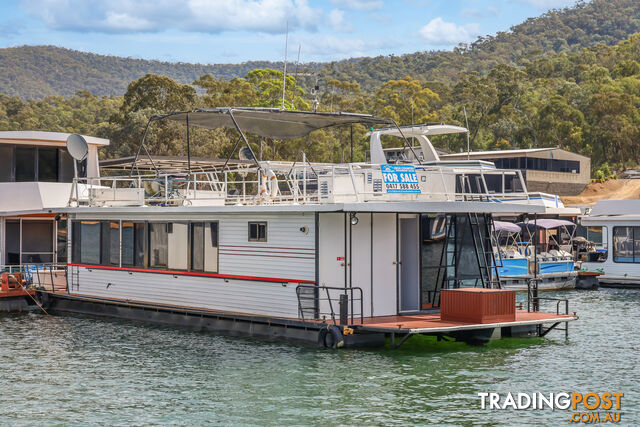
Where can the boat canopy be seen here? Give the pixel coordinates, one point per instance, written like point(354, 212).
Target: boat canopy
point(506, 226)
point(546, 224)
point(419, 132)
point(268, 122)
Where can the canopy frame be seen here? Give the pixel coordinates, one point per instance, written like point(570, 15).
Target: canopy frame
point(302, 123)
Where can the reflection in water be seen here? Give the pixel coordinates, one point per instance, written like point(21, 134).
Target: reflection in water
point(88, 370)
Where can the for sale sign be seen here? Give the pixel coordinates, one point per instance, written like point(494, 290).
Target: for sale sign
point(400, 178)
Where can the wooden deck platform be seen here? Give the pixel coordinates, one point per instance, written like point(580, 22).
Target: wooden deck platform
point(432, 323)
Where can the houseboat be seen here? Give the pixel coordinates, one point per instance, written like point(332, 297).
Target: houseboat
point(609, 231)
point(36, 176)
point(324, 253)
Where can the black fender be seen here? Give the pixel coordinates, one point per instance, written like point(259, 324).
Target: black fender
point(43, 299)
point(330, 337)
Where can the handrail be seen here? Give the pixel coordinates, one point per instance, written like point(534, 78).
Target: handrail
point(316, 299)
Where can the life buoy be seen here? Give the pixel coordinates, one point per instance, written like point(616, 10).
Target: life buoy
point(331, 337)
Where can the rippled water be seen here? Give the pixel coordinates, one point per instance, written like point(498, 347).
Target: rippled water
point(84, 370)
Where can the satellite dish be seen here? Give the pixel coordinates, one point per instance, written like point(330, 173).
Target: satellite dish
point(245, 153)
point(77, 147)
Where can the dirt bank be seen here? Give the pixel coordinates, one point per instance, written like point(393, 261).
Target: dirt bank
point(617, 189)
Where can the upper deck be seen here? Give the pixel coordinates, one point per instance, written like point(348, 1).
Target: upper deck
point(261, 183)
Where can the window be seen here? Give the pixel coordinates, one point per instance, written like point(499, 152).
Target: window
point(204, 246)
point(128, 243)
point(158, 244)
point(47, 164)
point(626, 244)
point(257, 231)
point(197, 246)
point(6, 163)
point(37, 241)
point(61, 241)
point(114, 243)
point(25, 164)
point(178, 246)
point(12, 242)
point(90, 241)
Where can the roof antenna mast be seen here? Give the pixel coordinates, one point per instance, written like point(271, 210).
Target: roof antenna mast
point(467, 123)
point(284, 78)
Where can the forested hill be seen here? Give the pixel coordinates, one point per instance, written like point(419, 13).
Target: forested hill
point(566, 30)
point(39, 71)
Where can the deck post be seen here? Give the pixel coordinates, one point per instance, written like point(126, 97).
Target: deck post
point(344, 309)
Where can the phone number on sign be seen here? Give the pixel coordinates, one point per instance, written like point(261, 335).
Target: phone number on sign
point(402, 186)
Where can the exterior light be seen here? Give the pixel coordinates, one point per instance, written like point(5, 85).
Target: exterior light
point(354, 218)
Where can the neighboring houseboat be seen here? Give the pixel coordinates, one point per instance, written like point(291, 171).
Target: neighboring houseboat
point(540, 249)
point(36, 175)
point(612, 232)
point(328, 253)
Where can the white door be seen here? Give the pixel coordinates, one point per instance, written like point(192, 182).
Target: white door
point(384, 269)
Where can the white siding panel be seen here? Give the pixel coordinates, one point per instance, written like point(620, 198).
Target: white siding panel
point(288, 252)
point(261, 298)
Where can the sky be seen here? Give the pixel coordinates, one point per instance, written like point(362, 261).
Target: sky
point(234, 31)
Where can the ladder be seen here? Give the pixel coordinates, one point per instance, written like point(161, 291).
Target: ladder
point(483, 244)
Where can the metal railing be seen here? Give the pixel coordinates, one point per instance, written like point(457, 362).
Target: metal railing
point(314, 298)
point(48, 276)
point(277, 183)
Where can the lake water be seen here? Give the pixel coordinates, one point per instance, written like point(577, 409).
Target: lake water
point(85, 370)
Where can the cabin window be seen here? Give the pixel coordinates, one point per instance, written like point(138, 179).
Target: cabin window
point(47, 164)
point(37, 241)
point(114, 243)
point(12, 242)
point(25, 164)
point(626, 244)
point(204, 246)
point(178, 243)
point(6, 163)
point(90, 241)
point(257, 231)
point(158, 244)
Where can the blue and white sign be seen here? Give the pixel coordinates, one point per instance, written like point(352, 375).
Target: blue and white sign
point(400, 178)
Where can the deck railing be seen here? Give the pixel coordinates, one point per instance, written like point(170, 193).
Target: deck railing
point(320, 303)
point(277, 183)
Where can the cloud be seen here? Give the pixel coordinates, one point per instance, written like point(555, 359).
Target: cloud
point(208, 16)
point(471, 13)
point(363, 5)
point(440, 32)
point(335, 19)
point(340, 47)
point(549, 4)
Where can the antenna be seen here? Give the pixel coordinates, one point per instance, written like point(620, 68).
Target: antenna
point(284, 78)
point(467, 123)
point(78, 149)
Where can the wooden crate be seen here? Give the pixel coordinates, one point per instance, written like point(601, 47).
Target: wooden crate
point(478, 305)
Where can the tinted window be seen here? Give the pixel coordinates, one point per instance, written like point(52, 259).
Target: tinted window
point(12, 244)
point(66, 166)
point(90, 240)
point(128, 243)
point(25, 164)
point(140, 244)
point(6, 163)
point(257, 231)
point(114, 243)
point(197, 246)
point(48, 164)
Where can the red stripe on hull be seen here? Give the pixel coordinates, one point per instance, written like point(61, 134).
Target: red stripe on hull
point(195, 273)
